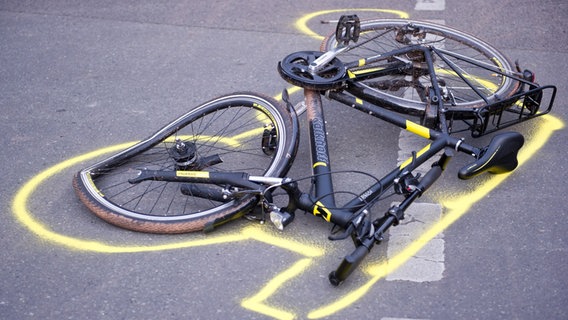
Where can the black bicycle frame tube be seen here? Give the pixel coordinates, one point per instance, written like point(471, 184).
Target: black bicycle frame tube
point(324, 202)
point(373, 193)
point(398, 67)
point(321, 167)
point(440, 141)
point(391, 117)
point(383, 56)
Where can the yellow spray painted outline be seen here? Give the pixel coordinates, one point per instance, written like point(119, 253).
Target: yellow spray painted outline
point(456, 207)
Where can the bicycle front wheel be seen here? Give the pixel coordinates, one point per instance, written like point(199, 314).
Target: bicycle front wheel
point(464, 65)
point(241, 132)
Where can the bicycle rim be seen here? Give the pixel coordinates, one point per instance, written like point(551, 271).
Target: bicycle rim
point(409, 90)
point(242, 132)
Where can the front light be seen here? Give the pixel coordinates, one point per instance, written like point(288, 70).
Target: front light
point(280, 219)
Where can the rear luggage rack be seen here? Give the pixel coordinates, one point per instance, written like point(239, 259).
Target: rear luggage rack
point(522, 106)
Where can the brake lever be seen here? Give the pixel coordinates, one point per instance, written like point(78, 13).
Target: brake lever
point(359, 229)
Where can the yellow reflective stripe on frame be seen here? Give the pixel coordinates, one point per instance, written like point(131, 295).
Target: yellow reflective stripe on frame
point(418, 154)
point(350, 74)
point(317, 164)
point(193, 174)
point(418, 129)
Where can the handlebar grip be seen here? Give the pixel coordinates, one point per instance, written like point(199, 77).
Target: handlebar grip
point(350, 263)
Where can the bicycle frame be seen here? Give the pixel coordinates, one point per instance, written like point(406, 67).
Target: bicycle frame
point(323, 202)
point(353, 217)
point(498, 157)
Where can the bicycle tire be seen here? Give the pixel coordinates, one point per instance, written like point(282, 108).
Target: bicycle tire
point(379, 36)
point(231, 126)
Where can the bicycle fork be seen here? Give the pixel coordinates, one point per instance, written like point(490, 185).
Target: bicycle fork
point(413, 189)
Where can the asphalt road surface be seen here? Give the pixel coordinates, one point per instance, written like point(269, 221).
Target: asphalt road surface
point(80, 77)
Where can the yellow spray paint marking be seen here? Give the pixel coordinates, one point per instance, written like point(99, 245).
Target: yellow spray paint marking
point(489, 85)
point(290, 90)
point(302, 23)
point(277, 241)
point(246, 134)
point(256, 302)
point(456, 207)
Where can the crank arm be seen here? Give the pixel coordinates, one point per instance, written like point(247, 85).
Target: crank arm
point(324, 59)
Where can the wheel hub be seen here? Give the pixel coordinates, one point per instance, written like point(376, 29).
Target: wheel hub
point(184, 154)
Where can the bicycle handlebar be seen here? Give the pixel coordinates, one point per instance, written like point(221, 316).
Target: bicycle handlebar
point(351, 262)
point(430, 177)
point(499, 156)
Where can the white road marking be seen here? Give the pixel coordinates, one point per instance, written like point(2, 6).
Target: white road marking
point(433, 5)
point(428, 264)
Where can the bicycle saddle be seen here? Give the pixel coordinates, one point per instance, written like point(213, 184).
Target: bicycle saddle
point(500, 156)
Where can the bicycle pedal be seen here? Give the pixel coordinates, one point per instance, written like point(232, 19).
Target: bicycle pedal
point(348, 29)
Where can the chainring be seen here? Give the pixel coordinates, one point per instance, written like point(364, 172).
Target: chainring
point(295, 69)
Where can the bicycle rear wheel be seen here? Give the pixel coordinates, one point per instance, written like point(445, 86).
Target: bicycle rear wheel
point(241, 132)
point(407, 91)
